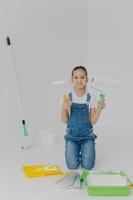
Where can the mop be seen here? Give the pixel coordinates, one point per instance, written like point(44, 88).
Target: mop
point(12, 60)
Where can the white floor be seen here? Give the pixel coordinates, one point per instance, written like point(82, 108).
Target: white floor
point(114, 152)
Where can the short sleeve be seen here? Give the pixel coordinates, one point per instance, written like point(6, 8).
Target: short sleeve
point(93, 102)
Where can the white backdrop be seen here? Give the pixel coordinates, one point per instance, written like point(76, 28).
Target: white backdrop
point(48, 39)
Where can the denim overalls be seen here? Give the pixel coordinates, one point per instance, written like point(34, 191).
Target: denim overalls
point(80, 140)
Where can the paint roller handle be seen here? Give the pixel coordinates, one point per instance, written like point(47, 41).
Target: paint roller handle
point(101, 103)
point(65, 98)
point(66, 104)
point(102, 97)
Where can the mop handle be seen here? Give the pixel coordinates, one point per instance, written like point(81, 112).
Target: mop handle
point(17, 91)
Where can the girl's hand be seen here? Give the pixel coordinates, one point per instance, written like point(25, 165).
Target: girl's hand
point(101, 105)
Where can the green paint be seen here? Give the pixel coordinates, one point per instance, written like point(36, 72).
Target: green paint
point(97, 190)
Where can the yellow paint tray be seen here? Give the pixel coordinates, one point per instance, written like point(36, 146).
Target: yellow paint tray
point(32, 171)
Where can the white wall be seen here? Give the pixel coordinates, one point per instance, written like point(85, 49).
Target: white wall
point(110, 57)
point(48, 39)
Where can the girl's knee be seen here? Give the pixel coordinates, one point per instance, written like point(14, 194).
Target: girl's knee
point(72, 155)
point(72, 165)
point(88, 164)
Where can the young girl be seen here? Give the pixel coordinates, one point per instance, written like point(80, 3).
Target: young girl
point(80, 111)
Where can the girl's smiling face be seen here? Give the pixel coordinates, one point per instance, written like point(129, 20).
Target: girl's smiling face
point(79, 79)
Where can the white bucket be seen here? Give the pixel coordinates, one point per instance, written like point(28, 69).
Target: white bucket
point(47, 137)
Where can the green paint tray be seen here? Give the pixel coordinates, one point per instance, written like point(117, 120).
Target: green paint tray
point(106, 183)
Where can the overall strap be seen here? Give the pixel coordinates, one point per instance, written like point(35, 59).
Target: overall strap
point(88, 100)
point(70, 97)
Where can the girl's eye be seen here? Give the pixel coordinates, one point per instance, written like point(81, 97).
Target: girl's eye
point(82, 77)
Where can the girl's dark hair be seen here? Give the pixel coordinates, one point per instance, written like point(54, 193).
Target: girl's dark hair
point(80, 67)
